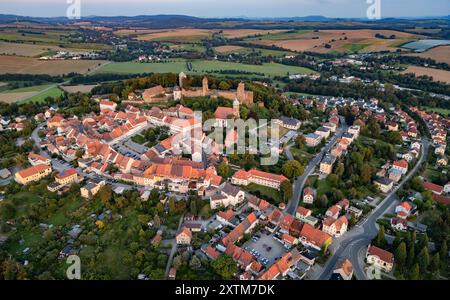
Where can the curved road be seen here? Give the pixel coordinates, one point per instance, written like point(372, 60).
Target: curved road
point(300, 181)
point(354, 243)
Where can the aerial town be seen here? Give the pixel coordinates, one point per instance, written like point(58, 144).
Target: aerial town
point(156, 156)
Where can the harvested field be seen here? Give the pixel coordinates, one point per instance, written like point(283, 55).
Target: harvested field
point(439, 54)
point(239, 33)
point(228, 49)
point(14, 97)
point(178, 35)
point(78, 88)
point(340, 40)
point(438, 75)
point(28, 65)
point(21, 49)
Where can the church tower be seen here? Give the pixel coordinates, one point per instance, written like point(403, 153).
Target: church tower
point(181, 77)
point(205, 88)
point(236, 106)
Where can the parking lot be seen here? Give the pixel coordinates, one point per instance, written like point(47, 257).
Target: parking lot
point(266, 248)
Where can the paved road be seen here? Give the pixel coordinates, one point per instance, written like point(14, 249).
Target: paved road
point(300, 181)
point(355, 242)
point(174, 249)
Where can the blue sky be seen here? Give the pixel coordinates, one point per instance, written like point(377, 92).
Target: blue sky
point(228, 8)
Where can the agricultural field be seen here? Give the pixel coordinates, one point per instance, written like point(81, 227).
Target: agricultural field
point(245, 50)
point(82, 88)
point(52, 92)
point(440, 54)
point(11, 96)
point(240, 33)
point(438, 75)
point(201, 66)
point(339, 40)
point(176, 35)
point(28, 65)
point(45, 37)
point(190, 34)
point(29, 50)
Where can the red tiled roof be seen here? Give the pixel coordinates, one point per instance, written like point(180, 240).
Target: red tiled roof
point(380, 253)
point(315, 236)
point(303, 211)
point(433, 187)
point(223, 112)
point(33, 170)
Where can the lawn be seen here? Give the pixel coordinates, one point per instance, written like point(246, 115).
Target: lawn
point(139, 139)
point(431, 174)
point(53, 92)
point(272, 195)
point(201, 66)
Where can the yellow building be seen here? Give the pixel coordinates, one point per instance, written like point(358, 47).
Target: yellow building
point(67, 177)
point(91, 189)
point(35, 173)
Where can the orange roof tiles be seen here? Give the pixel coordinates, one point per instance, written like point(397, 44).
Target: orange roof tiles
point(381, 254)
point(33, 170)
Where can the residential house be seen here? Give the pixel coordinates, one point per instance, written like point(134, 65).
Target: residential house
point(401, 165)
point(326, 166)
point(384, 184)
point(344, 270)
point(312, 139)
point(404, 209)
point(315, 238)
point(36, 159)
point(184, 236)
point(228, 196)
point(308, 195)
point(91, 188)
point(380, 258)
point(304, 215)
point(333, 212)
point(335, 227)
point(435, 188)
point(67, 177)
point(289, 123)
point(399, 224)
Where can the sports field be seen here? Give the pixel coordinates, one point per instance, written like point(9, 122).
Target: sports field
point(201, 66)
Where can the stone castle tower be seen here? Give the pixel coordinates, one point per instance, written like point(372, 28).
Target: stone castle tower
point(241, 92)
point(205, 88)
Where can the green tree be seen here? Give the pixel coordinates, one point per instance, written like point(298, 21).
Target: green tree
point(177, 262)
point(286, 190)
point(225, 267)
point(105, 194)
point(423, 260)
point(292, 168)
point(224, 86)
point(195, 263)
point(223, 169)
point(193, 207)
point(300, 141)
point(400, 254)
point(380, 240)
point(435, 263)
point(411, 256)
point(414, 274)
